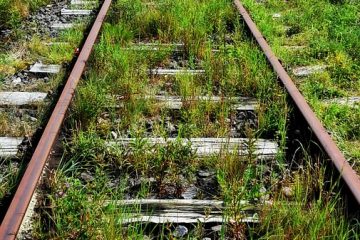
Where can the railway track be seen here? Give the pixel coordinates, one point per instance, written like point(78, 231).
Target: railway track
point(176, 131)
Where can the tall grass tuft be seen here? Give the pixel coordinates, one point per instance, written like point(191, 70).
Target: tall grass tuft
point(12, 12)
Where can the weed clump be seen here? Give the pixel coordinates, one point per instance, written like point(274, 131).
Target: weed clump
point(12, 12)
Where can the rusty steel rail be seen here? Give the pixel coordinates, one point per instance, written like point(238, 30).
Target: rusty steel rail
point(16, 212)
point(347, 173)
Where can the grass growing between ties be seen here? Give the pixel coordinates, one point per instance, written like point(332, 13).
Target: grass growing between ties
point(117, 100)
point(306, 210)
point(17, 54)
point(23, 122)
point(8, 177)
point(59, 50)
point(24, 47)
point(302, 208)
point(83, 198)
point(319, 33)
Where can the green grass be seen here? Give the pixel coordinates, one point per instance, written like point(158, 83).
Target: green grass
point(107, 105)
point(63, 48)
point(16, 57)
point(310, 215)
point(330, 38)
point(8, 177)
point(24, 53)
point(21, 53)
point(12, 12)
point(8, 65)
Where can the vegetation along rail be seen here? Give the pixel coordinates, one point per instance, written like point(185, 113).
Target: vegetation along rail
point(177, 121)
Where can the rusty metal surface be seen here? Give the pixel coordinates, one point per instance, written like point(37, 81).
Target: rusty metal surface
point(347, 173)
point(16, 212)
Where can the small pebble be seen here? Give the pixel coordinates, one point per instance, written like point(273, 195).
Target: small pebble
point(190, 192)
point(114, 135)
point(87, 177)
point(287, 191)
point(205, 174)
point(264, 196)
point(216, 228)
point(171, 127)
point(276, 15)
point(17, 80)
point(180, 231)
point(33, 119)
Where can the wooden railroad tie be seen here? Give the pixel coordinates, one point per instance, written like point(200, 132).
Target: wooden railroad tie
point(77, 12)
point(46, 69)
point(177, 102)
point(21, 99)
point(62, 26)
point(350, 101)
point(160, 211)
point(82, 2)
point(9, 146)
point(262, 149)
point(165, 71)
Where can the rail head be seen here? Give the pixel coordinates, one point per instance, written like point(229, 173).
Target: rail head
point(346, 171)
point(18, 207)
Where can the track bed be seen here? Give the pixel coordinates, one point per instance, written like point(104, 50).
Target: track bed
point(179, 129)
